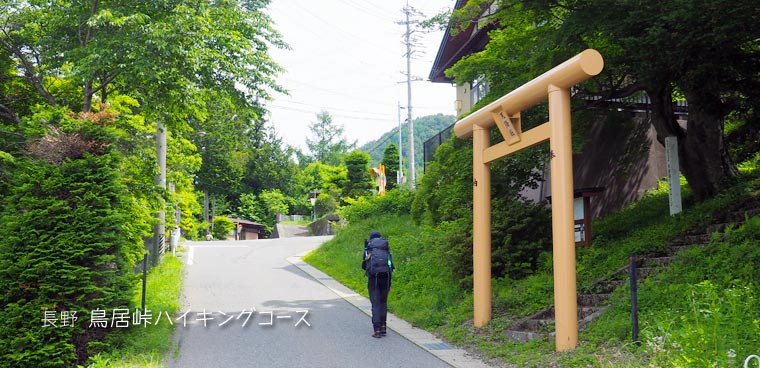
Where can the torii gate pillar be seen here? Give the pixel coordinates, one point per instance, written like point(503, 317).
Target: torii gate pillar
point(553, 85)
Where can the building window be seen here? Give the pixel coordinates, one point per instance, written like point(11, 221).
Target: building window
point(478, 89)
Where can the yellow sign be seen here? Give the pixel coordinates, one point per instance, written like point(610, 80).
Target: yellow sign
point(509, 126)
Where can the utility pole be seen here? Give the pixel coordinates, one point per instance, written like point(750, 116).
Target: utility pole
point(160, 228)
point(400, 172)
point(408, 11)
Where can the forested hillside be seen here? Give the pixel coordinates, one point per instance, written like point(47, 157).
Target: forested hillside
point(425, 127)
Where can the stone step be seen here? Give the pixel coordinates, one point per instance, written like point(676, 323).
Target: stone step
point(534, 325)
point(720, 228)
point(540, 325)
point(523, 336)
point(644, 272)
point(548, 313)
point(741, 215)
point(690, 239)
point(591, 317)
point(593, 300)
point(657, 261)
point(607, 287)
point(674, 249)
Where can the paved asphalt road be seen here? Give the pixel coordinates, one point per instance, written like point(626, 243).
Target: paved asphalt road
point(225, 281)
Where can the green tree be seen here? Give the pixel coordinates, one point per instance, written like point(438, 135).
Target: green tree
point(249, 208)
point(359, 179)
point(327, 143)
point(325, 204)
point(223, 156)
point(66, 245)
point(390, 160)
point(325, 178)
point(263, 208)
point(520, 229)
point(273, 202)
point(222, 227)
point(190, 66)
point(663, 49)
point(271, 166)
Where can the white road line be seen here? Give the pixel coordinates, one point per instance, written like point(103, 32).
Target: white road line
point(220, 246)
point(190, 253)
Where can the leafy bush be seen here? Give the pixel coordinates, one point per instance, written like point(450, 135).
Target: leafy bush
point(64, 251)
point(521, 233)
point(222, 227)
point(325, 204)
point(521, 229)
point(445, 191)
point(395, 201)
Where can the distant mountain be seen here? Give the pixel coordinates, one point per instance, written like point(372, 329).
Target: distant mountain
point(425, 127)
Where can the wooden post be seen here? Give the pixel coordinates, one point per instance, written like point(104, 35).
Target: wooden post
point(481, 232)
point(563, 220)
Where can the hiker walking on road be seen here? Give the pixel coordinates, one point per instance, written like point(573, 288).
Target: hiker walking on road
point(378, 266)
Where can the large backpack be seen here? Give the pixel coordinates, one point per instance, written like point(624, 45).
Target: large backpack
point(379, 257)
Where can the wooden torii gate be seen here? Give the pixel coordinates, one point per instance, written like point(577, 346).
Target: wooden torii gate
point(553, 85)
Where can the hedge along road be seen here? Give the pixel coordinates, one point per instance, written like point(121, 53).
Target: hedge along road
point(260, 310)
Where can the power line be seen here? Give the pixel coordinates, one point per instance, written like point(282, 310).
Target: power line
point(353, 96)
point(332, 25)
point(366, 10)
point(336, 108)
point(289, 108)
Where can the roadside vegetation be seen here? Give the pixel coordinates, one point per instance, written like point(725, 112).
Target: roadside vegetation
point(148, 346)
point(82, 178)
point(700, 311)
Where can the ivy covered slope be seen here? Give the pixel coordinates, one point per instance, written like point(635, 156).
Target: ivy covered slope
point(66, 249)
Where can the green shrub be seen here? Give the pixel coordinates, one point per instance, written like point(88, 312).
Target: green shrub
point(521, 232)
point(222, 227)
point(199, 231)
point(63, 250)
point(394, 202)
point(325, 204)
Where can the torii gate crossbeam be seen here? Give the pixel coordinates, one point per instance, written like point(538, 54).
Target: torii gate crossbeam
point(553, 85)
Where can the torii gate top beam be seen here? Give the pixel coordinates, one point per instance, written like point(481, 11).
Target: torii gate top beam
point(573, 71)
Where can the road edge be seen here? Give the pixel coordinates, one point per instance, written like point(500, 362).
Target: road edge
point(448, 353)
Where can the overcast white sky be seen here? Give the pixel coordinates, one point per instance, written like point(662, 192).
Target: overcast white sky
point(347, 57)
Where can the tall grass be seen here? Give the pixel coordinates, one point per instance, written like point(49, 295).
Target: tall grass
point(147, 347)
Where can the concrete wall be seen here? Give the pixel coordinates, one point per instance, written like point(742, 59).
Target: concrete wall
point(623, 155)
point(463, 99)
point(324, 226)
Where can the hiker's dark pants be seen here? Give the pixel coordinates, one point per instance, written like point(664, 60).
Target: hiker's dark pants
point(378, 287)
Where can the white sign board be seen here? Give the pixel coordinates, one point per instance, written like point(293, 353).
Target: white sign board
point(674, 174)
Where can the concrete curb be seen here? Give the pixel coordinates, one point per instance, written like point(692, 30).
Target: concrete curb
point(446, 352)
